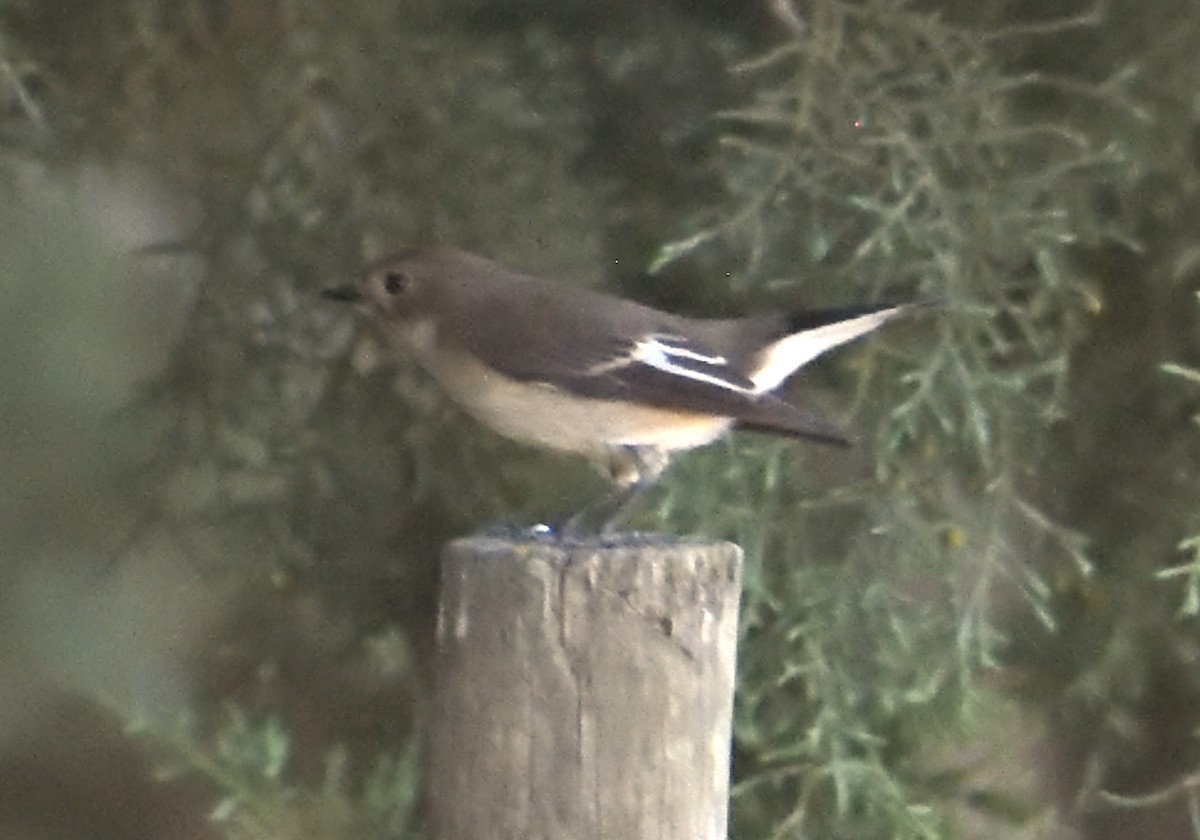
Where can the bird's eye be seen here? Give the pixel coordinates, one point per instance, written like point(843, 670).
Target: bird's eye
point(395, 282)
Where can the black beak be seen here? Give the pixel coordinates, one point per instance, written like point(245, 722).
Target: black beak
point(348, 293)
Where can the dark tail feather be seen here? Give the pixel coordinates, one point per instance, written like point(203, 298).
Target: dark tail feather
point(777, 417)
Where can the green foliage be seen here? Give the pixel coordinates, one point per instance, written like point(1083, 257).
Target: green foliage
point(890, 152)
point(247, 764)
point(1189, 547)
point(887, 154)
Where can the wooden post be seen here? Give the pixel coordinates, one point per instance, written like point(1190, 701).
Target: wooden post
point(585, 690)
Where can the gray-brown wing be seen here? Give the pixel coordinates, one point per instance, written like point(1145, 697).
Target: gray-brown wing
point(602, 347)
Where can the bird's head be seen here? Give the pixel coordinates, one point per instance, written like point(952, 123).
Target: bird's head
point(396, 288)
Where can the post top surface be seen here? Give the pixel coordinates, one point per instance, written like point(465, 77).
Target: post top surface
point(539, 539)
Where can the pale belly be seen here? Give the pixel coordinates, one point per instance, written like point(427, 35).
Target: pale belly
point(543, 415)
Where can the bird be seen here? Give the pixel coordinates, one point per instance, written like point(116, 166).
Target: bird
point(581, 371)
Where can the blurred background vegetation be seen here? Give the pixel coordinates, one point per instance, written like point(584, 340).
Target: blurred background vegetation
point(221, 510)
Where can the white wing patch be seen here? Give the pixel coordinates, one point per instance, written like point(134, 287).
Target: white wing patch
point(674, 355)
point(681, 360)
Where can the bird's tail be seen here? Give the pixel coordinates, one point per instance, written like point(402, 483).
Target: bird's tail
point(775, 416)
point(813, 333)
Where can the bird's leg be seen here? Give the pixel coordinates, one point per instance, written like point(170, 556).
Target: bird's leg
point(622, 503)
point(576, 525)
point(633, 470)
